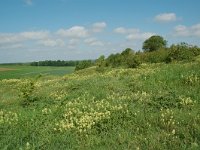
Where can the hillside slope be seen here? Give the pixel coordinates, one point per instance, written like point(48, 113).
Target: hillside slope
point(155, 106)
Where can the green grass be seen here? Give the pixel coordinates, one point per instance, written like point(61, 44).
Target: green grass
point(30, 71)
point(153, 107)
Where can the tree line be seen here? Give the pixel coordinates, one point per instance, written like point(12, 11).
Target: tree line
point(56, 63)
point(155, 50)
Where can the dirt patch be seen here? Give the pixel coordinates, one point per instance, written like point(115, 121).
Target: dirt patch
point(6, 69)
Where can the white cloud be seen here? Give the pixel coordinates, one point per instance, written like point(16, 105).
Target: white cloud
point(93, 42)
point(122, 30)
point(9, 38)
point(34, 35)
point(52, 42)
point(28, 2)
point(74, 32)
point(133, 34)
point(165, 17)
point(139, 35)
point(11, 46)
point(74, 41)
point(184, 31)
point(23, 36)
point(98, 26)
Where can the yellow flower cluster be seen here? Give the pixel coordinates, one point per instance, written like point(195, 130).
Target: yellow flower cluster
point(46, 111)
point(135, 73)
point(186, 101)
point(8, 117)
point(167, 120)
point(142, 96)
point(10, 81)
point(58, 95)
point(191, 79)
point(81, 116)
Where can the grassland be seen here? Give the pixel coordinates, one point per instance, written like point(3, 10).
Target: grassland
point(21, 71)
point(155, 106)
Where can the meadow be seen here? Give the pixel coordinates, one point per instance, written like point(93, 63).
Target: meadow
point(21, 71)
point(154, 106)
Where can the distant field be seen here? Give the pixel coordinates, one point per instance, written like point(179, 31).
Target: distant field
point(17, 71)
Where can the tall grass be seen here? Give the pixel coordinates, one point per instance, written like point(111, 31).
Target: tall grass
point(152, 107)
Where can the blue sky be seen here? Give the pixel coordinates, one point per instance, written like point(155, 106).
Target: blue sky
point(32, 30)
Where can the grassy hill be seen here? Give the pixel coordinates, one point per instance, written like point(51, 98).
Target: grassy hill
point(155, 106)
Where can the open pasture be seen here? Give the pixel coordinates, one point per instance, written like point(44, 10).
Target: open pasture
point(23, 71)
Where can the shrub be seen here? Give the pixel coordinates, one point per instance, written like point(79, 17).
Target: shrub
point(83, 64)
point(114, 60)
point(26, 89)
point(155, 56)
point(181, 52)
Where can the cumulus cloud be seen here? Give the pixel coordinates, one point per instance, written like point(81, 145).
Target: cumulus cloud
point(73, 41)
point(93, 42)
point(74, 32)
point(133, 34)
point(34, 35)
point(98, 26)
point(9, 38)
point(139, 35)
point(23, 36)
point(165, 17)
point(122, 30)
point(184, 31)
point(51, 42)
point(11, 46)
point(28, 2)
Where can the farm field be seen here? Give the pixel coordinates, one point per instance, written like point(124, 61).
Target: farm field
point(155, 106)
point(21, 71)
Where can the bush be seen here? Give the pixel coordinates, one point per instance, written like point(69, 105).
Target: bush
point(83, 64)
point(181, 52)
point(155, 56)
point(114, 60)
point(26, 89)
point(127, 59)
point(132, 62)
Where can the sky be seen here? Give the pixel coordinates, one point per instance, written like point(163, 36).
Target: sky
point(33, 30)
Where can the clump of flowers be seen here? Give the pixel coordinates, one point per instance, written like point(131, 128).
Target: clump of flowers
point(10, 81)
point(58, 95)
point(191, 79)
point(46, 111)
point(8, 117)
point(82, 116)
point(186, 101)
point(167, 120)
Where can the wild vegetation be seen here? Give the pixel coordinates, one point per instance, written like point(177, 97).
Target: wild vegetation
point(155, 106)
point(107, 106)
point(155, 50)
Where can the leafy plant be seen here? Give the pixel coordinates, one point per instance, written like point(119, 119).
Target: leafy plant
point(26, 92)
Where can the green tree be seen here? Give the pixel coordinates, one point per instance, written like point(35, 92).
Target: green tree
point(154, 43)
point(182, 52)
point(129, 58)
point(100, 62)
point(83, 64)
point(114, 60)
